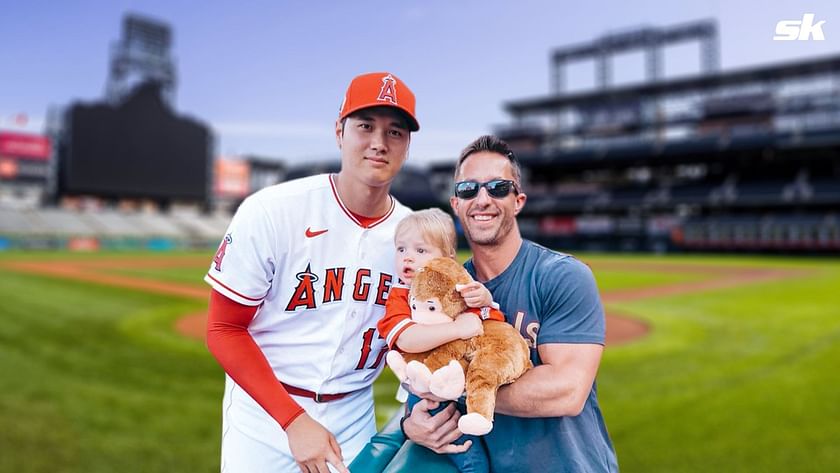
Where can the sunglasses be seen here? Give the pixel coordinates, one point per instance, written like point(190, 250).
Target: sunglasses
point(497, 188)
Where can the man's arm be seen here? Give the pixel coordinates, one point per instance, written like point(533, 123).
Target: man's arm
point(557, 387)
point(570, 345)
point(236, 351)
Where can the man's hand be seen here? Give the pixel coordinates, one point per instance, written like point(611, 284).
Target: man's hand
point(468, 325)
point(435, 432)
point(313, 446)
point(475, 294)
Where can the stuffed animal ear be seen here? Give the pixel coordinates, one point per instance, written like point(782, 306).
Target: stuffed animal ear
point(438, 279)
point(451, 269)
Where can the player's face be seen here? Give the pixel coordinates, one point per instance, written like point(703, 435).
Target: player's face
point(487, 220)
point(412, 253)
point(374, 145)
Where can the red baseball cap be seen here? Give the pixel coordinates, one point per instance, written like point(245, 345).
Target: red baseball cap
point(379, 89)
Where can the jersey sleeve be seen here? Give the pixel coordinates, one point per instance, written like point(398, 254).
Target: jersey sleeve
point(243, 267)
point(236, 351)
point(397, 316)
point(572, 311)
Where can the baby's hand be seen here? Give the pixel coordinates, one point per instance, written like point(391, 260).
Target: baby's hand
point(468, 325)
point(475, 294)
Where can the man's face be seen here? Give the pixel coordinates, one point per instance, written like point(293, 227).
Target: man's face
point(487, 220)
point(374, 145)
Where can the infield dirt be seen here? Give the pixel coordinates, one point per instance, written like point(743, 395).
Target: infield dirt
point(620, 327)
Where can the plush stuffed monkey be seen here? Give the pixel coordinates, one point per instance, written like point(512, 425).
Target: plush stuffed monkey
point(483, 363)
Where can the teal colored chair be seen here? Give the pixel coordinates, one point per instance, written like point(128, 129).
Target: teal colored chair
point(390, 452)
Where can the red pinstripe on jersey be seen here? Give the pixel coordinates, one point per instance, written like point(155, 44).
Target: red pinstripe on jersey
point(232, 291)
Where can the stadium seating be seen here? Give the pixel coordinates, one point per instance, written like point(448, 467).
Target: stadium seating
point(628, 196)
point(810, 232)
point(14, 222)
point(62, 223)
point(55, 227)
point(691, 193)
point(825, 190)
point(760, 192)
point(111, 223)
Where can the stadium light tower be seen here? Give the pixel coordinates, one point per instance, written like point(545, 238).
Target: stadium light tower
point(141, 55)
point(651, 40)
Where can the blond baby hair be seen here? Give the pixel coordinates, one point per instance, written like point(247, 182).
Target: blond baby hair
point(436, 226)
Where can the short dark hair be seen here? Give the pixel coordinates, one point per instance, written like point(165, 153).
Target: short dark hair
point(400, 113)
point(492, 144)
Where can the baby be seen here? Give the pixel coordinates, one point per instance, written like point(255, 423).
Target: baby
point(419, 238)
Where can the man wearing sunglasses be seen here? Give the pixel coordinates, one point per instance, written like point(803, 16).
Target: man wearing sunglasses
point(549, 419)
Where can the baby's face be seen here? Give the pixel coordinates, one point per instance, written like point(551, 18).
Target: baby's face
point(413, 251)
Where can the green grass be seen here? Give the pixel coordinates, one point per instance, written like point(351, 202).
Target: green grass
point(613, 279)
point(183, 276)
point(741, 379)
point(85, 393)
point(735, 380)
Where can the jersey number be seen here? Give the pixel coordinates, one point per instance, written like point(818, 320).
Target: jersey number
point(367, 340)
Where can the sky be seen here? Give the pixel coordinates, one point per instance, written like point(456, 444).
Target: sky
point(269, 76)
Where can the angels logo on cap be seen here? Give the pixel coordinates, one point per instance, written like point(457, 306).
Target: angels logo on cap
point(389, 90)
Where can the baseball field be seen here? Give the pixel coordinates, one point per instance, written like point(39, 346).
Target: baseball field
point(713, 363)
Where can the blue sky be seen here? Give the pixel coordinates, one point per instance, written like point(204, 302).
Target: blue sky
point(269, 75)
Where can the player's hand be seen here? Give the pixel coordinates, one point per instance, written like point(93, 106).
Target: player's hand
point(475, 294)
point(313, 446)
point(468, 325)
point(435, 432)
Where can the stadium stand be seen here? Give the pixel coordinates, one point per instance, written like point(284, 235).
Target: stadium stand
point(15, 222)
point(62, 223)
point(53, 227)
point(734, 160)
point(116, 224)
point(739, 160)
point(126, 172)
point(201, 227)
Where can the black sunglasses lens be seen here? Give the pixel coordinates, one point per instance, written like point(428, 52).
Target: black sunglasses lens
point(466, 190)
point(499, 188)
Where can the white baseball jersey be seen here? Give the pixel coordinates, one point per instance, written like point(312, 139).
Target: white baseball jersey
point(320, 280)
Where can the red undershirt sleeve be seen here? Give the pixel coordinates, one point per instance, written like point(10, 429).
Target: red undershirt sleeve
point(239, 355)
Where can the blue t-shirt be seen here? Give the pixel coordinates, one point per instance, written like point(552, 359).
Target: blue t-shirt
point(550, 297)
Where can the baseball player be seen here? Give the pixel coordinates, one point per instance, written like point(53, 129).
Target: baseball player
point(299, 283)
